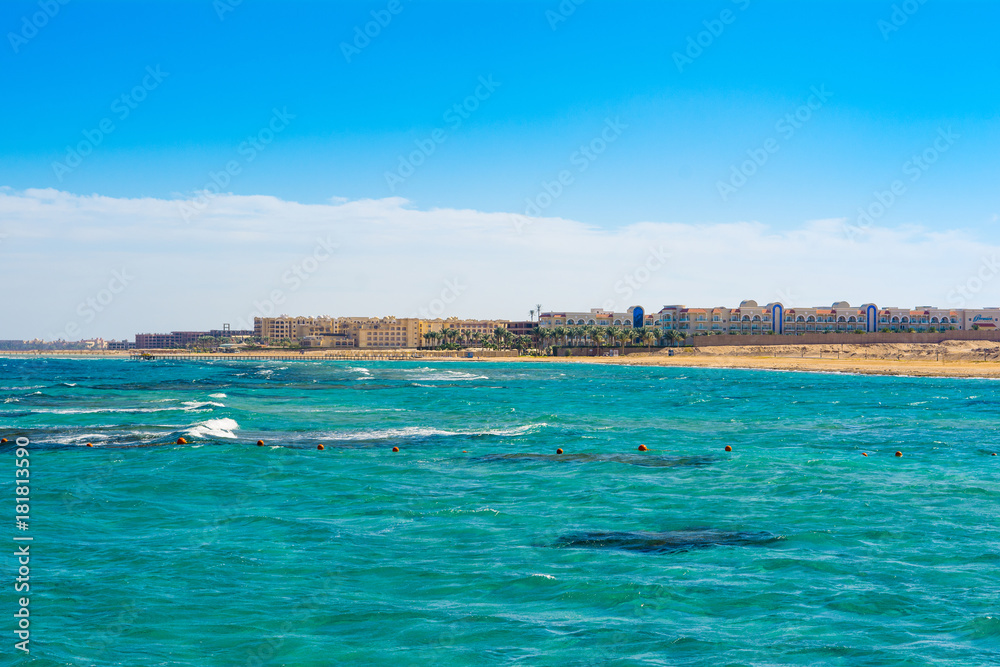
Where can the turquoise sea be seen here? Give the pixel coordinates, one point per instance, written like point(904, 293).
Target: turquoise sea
point(476, 544)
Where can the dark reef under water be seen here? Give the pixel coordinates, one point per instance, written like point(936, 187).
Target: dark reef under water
point(671, 541)
point(644, 460)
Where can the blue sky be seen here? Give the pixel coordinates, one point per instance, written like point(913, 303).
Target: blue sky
point(559, 78)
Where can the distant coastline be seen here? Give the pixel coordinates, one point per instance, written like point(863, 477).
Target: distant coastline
point(958, 359)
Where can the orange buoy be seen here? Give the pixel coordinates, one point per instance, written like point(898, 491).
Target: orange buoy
point(181, 441)
point(864, 453)
point(3, 441)
point(89, 445)
point(260, 443)
point(729, 448)
point(643, 448)
point(320, 447)
point(465, 451)
point(395, 449)
point(559, 451)
point(899, 453)
point(993, 454)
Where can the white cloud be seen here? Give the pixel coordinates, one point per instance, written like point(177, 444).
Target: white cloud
point(61, 249)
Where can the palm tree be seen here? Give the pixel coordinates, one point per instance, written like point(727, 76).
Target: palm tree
point(673, 336)
point(546, 335)
point(614, 334)
point(500, 334)
point(649, 337)
point(599, 339)
point(560, 333)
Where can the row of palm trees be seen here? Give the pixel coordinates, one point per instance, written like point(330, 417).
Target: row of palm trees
point(454, 339)
point(610, 336)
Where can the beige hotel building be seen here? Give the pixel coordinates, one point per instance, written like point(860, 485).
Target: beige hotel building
point(775, 318)
point(365, 332)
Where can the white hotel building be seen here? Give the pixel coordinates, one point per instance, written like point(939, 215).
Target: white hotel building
point(775, 318)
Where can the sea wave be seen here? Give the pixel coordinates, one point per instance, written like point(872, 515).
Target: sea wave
point(427, 373)
point(217, 396)
point(424, 432)
point(189, 406)
point(214, 428)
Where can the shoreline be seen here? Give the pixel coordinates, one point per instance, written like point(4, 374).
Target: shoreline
point(951, 359)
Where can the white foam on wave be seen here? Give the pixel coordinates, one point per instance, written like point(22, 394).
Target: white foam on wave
point(11, 400)
point(427, 373)
point(423, 431)
point(189, 406)
point(194, 405)
point(217, 396)
point(214, 428)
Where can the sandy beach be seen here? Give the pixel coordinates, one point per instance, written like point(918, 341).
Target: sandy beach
point(979, 359)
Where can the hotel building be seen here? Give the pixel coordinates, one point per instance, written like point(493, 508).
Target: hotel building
point(367, 332)
point(775, 318)
point(633, 317)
